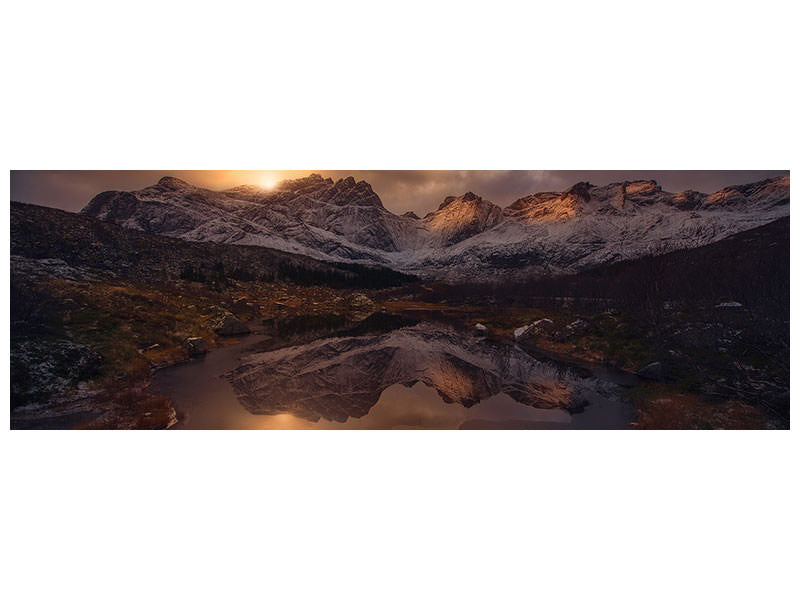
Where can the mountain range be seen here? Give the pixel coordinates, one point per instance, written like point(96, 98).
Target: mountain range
point(465, 238)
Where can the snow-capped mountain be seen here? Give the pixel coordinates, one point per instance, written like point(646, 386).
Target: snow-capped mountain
point(312, 215)
point(459, 218)
point(467, 237)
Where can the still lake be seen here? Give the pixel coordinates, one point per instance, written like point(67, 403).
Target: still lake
point(424, 376)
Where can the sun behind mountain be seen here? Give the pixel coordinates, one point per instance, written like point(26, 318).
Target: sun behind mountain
point(268, 181)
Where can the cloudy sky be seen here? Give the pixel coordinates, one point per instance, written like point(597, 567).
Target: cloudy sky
point(400, 191)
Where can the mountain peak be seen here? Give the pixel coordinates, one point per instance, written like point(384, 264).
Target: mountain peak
point(460, 217)
point(349, 192)
point(642, 187)
point(173, 183)
point(767, 192)
point(314, 180)
point(468, 197)
point(581, 190)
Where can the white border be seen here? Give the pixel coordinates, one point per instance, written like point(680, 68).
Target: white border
point(465, 85)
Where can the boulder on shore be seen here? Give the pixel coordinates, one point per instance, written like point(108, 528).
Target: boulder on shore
point(195, 346)
point(654, 371)
point(536, 328)
point(522, 332)
point(578, 327)
point(228, 324)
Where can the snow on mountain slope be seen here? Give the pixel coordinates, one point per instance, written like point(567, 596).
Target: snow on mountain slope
point(312, 215)
point(459, 218)
point(465, 238)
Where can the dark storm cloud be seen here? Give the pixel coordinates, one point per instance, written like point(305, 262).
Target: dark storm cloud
point(401, 191)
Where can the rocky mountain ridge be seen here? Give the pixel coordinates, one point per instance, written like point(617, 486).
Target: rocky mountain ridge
point(466, 238)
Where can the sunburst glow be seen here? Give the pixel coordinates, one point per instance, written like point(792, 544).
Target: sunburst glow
point(267, 181)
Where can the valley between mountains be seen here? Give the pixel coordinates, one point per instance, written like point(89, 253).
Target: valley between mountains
point(682, 296)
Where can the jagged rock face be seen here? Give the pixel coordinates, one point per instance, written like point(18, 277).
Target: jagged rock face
point(466, 238)
point(630, 197)
point(340, 378)
point(767, 194)
point(544, 207)
point(461, 217)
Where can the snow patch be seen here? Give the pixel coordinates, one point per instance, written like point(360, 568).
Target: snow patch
point(730, 305)
point(520, 331)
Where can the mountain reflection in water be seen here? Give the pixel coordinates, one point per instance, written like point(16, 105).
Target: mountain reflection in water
point(426, 376)
point(423, 376)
